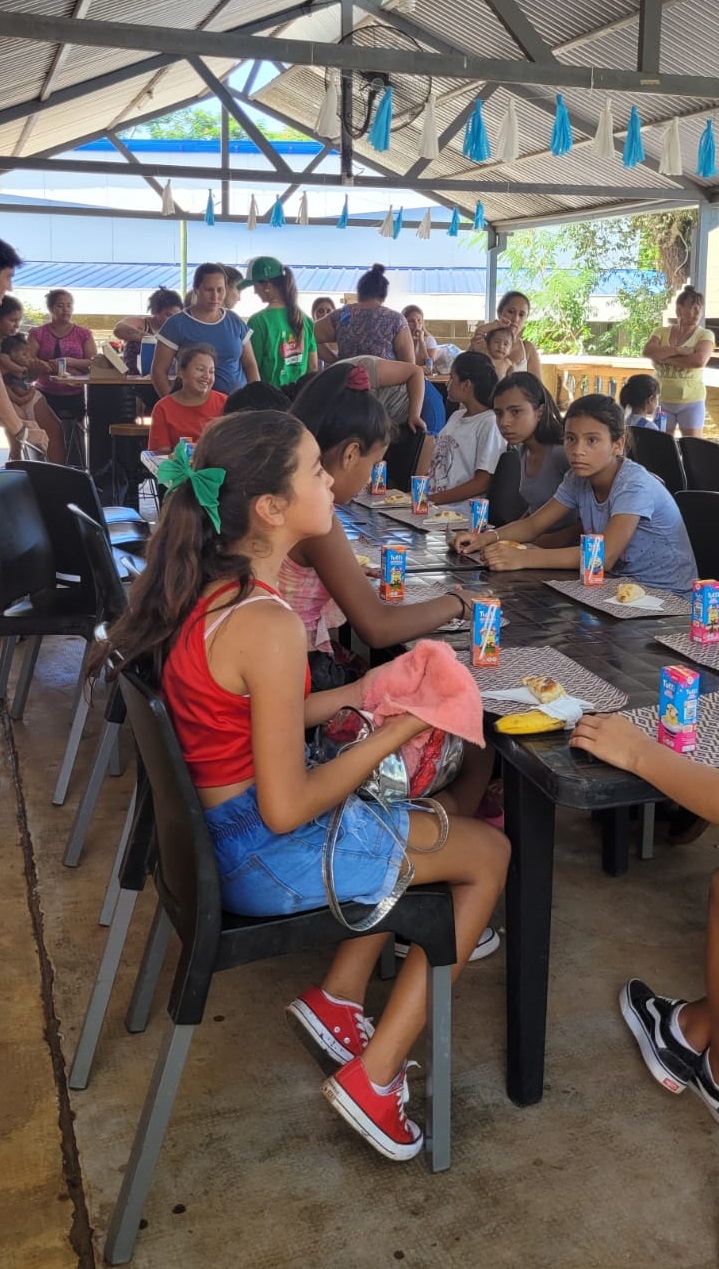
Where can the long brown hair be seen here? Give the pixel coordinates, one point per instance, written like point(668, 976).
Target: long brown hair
point(287, 288)
point(258, 452)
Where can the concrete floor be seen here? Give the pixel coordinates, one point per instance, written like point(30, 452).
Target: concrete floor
point(256, 1173)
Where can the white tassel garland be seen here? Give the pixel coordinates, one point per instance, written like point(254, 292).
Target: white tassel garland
point(168, 202)
point(428, 146)
point(252, 215)
point(386, 229)
point(328, 123)
point(303, 217)
point(670, 162)
point(603, 145)
point(508, 139)
point(424, 228)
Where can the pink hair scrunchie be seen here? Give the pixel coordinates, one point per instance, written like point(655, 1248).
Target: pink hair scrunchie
point(358, 380)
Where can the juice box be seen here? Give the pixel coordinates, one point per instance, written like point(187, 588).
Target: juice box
point(705, 611)
point(479, 508)
point(189, 445)
point(420, 495)
point(678, 708)
point(378, 479)
point(393, 566)
point(591, 559)
point(486, 631)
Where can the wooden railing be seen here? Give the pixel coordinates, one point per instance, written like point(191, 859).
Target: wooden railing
point(568, 377)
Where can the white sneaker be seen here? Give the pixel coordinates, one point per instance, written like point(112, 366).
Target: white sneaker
point(487, 943)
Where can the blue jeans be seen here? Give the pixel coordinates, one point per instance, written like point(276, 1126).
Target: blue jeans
point(274, 874)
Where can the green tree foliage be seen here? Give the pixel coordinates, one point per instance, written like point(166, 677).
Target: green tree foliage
point(201, 123)
point(561, 268)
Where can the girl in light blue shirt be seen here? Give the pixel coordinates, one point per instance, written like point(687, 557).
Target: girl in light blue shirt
point(644, 534)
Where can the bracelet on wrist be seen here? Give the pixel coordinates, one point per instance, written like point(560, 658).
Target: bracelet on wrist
point(464, 612)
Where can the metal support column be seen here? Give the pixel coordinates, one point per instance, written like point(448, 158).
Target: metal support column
point(707, 221)
point(225, 159)
point(346, 154)
point(496, 244)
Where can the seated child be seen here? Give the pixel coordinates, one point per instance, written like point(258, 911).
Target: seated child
point(678, 1039)
point(528, 418)
point(15, 365)
point(639, 398)
point(467, 450)
point(187, 411)
point(232, 661)
point(644, 535)
point(42, 427)
point(500, 343)
point(256, 396)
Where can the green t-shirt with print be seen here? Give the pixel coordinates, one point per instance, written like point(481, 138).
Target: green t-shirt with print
point(281, 357)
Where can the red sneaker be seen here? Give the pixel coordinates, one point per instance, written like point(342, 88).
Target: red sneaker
point(378, 1117)
point(339, 1031)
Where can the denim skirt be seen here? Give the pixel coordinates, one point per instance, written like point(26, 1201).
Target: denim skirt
point(274, 874)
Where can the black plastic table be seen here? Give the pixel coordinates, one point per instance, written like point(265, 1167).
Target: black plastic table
point(542, 772)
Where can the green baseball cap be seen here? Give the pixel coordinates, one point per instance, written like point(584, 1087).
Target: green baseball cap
point(262, 269)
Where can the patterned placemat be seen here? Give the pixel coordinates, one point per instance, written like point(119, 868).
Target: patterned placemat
point(707, 750)
point(418, 591)
point(702, 653)
point(515, 663)
point(375, 502)
point(429, 523)
point(597, 596)
point(364, 550)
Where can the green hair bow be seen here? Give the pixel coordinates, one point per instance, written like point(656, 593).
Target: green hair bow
point(206, 482)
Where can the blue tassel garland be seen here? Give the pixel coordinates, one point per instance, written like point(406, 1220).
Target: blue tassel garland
point(562, 141)
point(397, 226)
point(343, 216)
point(210, 209)
point(479, 216)
point(706, 156)
point(379, 132)
point(633, 152)
point(277, 215)
point(453, 230)
point(476, 142)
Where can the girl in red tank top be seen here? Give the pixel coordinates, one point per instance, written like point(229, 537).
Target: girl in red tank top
point(231, 656)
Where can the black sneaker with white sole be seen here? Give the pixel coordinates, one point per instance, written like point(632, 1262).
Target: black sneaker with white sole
point(705, 1088)
point(673, 1064)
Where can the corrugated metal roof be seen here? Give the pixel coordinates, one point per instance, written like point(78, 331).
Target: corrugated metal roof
point(311, 279)
point(589, 32)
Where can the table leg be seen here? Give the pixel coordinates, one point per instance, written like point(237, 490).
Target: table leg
point(529, 821)
point(615, 841)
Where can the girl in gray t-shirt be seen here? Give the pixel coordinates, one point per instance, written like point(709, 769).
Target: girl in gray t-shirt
point(528, 418)
point(644, 535)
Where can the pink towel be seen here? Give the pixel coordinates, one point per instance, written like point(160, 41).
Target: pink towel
point(432, 684)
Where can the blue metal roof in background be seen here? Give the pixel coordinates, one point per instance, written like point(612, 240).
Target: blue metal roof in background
point(310, 278)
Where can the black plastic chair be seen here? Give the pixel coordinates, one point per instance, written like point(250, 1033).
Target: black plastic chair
point(32, 601)
point(110, 603)
point(212, 940)
point(700, 513)
point(701, 462)
point(505, 501)
point(402, 457)
point(658, 452)
point(55, 487)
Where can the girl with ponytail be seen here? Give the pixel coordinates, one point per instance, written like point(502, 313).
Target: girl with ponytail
point(231, 656)
point(283, 338)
